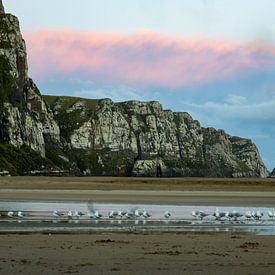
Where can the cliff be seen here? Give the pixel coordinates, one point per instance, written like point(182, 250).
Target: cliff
point(25, 120)
point(2, 10)
point(141, 139)
point(100, 137)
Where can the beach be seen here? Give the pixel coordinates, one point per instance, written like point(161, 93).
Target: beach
point(138, 252)
point(189, 191)
point(153, 253)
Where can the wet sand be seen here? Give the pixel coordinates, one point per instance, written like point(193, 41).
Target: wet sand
point(137, 254)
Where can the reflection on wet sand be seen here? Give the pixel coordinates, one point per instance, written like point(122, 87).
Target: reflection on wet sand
point(73, 217)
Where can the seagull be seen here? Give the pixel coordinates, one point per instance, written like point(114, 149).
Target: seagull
point(271, 214)
point(70, 214)
point(253, 214)
point(199, 214)
point(249, 215)
point(78, 214)
point(10, 214)
point(167, 214)
point(258, 215)
point(121, 213)
point(95, 215)
point(233, 215)
point(137, 213)
point(129, 215)
point(218, 215)
point(111, 214)
point(20, 214)
point(57, 214)
point(145, 214)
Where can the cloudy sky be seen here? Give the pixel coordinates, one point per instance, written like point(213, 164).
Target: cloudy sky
point(212, 58)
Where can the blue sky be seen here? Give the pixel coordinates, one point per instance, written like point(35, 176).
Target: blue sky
point(212, 58)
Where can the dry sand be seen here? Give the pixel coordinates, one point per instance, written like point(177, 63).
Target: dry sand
point(137, 254)
point(256, 192)
point(218, 198)
point(111, 183)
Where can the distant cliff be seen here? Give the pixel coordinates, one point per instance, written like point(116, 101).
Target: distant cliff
point(141, 139)
point(99, 137)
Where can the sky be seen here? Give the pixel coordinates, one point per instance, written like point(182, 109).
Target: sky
point(212, 58)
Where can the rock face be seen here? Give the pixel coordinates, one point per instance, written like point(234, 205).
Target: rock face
point(2, 10)
point(272, 174)
point(24, 117)
point(141, 139)
point(100, 137)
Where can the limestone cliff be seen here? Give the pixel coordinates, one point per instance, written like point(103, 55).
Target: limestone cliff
point(24, 117)
point(141, 139)
point(100, 137)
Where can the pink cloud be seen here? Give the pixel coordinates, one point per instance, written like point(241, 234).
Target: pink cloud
point(144, 58)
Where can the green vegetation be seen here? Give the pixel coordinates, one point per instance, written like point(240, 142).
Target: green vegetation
point(67, 101)
point(56, 156)
point(19, 161)
point(102, 163)
point(70, 121)
point(6, 81)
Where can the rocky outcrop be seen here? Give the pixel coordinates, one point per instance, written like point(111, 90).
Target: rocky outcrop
point(272, 173)
point(100, 137)
point(24, 117)
point(2, 10)
point(142, 139)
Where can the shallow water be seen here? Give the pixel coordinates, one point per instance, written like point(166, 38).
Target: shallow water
point(39, 218)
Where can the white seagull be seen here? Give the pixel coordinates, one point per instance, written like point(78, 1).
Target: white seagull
point(70, 214)
point(233, 215)
point(271, 214)
point(137, 213)
point(249, 215)
point(94, 215)
point(258, 215)
point(57, 214)
point(10, 214)
point(218, 215)
point(167, 214)
point(145, 213)
point(20, 214)
point(78, 214)
point(199, 214)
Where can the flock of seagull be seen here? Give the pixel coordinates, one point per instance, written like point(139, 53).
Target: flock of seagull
point(233, 215)
point(136, 213)
point(94, 214)
point(12, 214)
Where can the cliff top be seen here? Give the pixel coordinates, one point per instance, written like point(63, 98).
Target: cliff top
point(2, 10)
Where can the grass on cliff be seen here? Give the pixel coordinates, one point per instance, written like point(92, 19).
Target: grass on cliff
point(67, 101)
point(6, 81)
point(68, 122)
point(19, 161)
